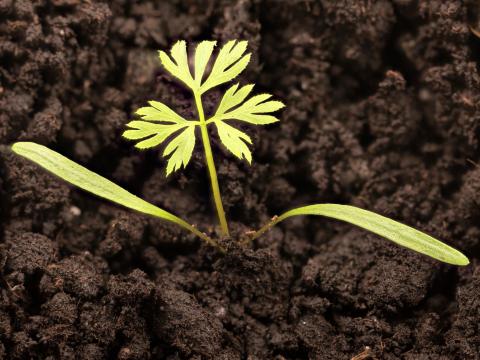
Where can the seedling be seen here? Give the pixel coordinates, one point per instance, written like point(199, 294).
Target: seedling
point(160, 125)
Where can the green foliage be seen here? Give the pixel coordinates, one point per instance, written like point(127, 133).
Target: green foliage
point(390, 229)
point(85, 179)
point(234, 140)
point(234, 107)
point(230, 62)
point(180, 149)
point(160, 125)
point(251, 111)
point(89, 181)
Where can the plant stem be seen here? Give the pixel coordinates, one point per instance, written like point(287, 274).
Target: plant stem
point(275, 220)
point(211, 166)
point(201, 235)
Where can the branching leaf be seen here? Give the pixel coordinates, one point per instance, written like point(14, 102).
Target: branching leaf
point(230, 62)
point(158, 111)
point(398, 233)
point(179, 66)
point(253, 111)
point(233, 97)
point(180, 150)
point(153, 134)
point(165, 123)
point(203, 52)
point(234, 140)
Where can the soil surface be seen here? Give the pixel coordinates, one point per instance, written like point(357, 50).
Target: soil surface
point(382, 112)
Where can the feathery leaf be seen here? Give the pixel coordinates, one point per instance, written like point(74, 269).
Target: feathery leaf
point(158, 111)
point(253, 110)
point(153, 134)
point(234, 140)
point(203, 52)
point(180, 150)
point(179, 67)
point(233, 97)
point(230, 62)
point(167, 122)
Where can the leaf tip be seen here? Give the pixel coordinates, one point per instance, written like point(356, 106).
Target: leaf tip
point(20, 147)
point(207, 42)
point(179, 43)
point(161, 55)
point(139, 146)
point(16, 147)
point(462, 260)
point(241, 44)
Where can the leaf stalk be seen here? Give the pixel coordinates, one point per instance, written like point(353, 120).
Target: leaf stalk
point(211, 165)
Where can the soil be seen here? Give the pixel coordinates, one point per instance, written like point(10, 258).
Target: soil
point(382, 112)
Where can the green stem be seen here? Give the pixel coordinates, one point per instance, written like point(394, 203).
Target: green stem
point(211, 166)
point(256, 234)
point(200, 234)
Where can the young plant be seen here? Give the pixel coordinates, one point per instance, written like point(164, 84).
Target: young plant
point(160, 125)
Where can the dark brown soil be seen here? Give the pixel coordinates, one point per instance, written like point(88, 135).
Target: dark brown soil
point(382, 112)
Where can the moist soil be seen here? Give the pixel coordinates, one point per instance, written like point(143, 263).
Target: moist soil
point(382, 113)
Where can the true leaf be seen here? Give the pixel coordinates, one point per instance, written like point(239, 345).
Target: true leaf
point(234, 140)
point(179, 66)
point(152, 134)
point(233, 97)
point(398, 233)
point(203, 52)
point(158, 111)
point(253, 110)
point(230, 62)
point(180, 150)
point(165, 123)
